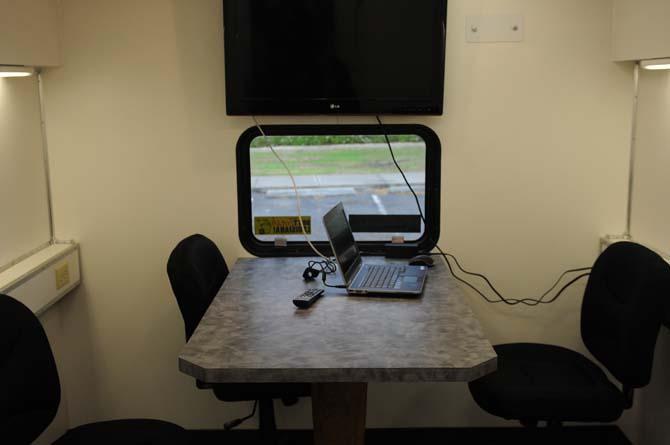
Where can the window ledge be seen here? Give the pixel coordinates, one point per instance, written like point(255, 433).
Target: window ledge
point(43, 278)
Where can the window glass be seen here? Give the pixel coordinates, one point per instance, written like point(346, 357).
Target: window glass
point(355, 169)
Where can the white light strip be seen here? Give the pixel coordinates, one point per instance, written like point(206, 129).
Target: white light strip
point(656, 64)
point(16, 71)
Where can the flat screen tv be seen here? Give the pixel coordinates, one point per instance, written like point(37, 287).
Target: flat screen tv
point(334, 56)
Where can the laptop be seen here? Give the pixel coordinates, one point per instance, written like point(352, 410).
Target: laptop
point(394, 279)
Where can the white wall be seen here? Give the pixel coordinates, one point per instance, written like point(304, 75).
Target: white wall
point(23, 197)
point(651, 225)
point(535, 146)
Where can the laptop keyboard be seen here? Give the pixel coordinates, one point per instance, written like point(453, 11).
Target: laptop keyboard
point(382, 277)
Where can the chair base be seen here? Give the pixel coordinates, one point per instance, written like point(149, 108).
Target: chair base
point(267, 425)
point(127, 432)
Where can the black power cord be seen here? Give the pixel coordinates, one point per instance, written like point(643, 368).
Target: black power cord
point(446, 256)
point(402, 173)
point(235, 422)
point(512, 301)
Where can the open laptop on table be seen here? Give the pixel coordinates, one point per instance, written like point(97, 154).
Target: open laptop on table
point(393, 279)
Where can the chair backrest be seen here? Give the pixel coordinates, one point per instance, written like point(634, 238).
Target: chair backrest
point(627, 298)
point(196, 270)
point(29, 385)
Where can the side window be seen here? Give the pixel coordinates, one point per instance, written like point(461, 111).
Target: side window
point(331, 164)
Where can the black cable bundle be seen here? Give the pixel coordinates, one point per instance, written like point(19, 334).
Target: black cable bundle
point(323, 268)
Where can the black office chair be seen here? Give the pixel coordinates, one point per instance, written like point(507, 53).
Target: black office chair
point(30, 391)
point(627, 298)
point(196, 269)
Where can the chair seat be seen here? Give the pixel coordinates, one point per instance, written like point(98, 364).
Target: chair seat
point(127, 432)
point(544, 382)
point(236, 392)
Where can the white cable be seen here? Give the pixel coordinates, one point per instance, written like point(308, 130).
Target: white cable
point(295, 190)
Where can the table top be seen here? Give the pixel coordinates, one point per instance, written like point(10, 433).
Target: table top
point(252, 332)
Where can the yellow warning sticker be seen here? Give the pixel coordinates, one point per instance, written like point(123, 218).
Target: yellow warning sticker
point(281, 225)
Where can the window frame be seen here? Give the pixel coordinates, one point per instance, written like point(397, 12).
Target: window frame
point(253, 245)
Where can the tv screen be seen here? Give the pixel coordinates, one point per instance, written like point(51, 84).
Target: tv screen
point(334, 56)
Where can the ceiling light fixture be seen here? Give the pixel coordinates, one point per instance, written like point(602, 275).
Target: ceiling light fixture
point(656, 64)
point(16, 71)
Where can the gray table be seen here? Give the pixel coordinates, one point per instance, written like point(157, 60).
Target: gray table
point(253, 333)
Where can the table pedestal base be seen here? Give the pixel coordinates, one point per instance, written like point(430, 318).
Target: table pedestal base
point(338, 411)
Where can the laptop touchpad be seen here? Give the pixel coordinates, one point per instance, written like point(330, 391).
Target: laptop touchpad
point(409, 279)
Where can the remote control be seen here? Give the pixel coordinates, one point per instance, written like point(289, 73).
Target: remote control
point(307, 298)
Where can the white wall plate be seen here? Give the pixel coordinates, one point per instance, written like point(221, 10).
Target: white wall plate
point(494, 28)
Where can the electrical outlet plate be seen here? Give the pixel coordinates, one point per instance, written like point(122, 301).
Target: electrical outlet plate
point(607, 240)
point(494, 28)
point(62, 275)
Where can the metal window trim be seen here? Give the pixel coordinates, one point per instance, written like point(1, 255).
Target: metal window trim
point(300, 248)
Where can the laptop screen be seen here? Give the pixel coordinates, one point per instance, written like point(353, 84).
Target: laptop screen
point(341, 240)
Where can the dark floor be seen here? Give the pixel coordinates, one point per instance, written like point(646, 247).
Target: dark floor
point(597, 435)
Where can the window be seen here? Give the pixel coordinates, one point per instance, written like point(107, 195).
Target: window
point(333, 163)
